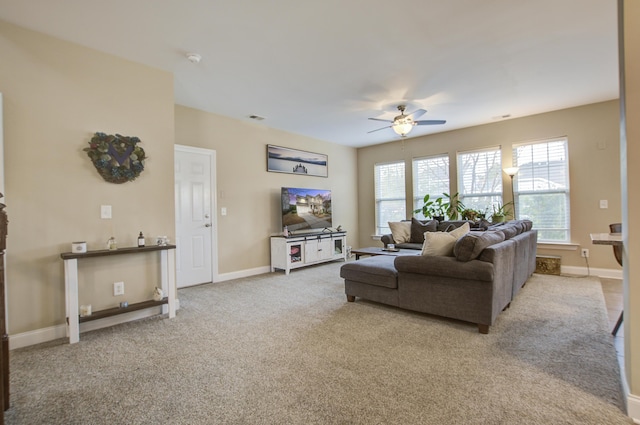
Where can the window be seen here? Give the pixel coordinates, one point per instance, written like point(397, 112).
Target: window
point(541, 187)
point(480, 179)
point(390, 195)
point(430, 176)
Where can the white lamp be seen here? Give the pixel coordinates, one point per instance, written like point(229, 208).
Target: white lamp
point(512, 171)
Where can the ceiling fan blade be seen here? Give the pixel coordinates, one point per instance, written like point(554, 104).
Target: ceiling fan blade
point(417, 113)
point(378, 129)
point(379, 119)
point(430, 122)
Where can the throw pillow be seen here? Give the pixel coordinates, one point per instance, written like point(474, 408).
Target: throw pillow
point(470, 246)
point(400, 230)
point(460, 231)
point(438, 243)
point(418, 228)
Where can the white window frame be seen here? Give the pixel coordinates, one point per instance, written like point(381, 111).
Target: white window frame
point(431, 161)
point(382, 226)
point(495, 194)
point(541, 191)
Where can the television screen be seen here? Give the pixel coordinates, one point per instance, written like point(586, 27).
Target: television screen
point(304, 209)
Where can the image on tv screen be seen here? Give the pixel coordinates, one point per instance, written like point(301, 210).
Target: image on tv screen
point(306, 208)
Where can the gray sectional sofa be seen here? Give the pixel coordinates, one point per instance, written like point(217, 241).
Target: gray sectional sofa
point(477, 283)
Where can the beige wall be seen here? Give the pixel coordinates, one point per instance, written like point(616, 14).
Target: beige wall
point(250, 194)
point(56, 95)
point(594, 164)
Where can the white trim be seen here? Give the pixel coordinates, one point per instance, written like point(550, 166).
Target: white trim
point(560, 246)
point(633, 408)
point(51, 333)
point(214, 201)
point(581, 271)
point(243, 273)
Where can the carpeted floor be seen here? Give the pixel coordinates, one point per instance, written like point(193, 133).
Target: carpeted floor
point(275, 349)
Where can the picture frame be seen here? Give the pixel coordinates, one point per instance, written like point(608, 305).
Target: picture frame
point(294, 161)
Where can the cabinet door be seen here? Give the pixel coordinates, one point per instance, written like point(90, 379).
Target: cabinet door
point(311, 251)
point(295, 253)
point(324, 249)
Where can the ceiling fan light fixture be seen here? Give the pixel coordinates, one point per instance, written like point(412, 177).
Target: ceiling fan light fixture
point(402, 126)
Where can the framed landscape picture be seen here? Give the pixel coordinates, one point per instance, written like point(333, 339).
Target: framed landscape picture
point(293, 161)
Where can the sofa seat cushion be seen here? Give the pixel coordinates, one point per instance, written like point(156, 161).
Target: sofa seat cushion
point(444, 267)
point(378, 270)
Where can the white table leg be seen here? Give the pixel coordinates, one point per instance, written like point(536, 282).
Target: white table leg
point(71, 289)
point(168, 279)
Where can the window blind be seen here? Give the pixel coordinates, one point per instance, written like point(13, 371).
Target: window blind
point(390, 195)
point(541, 187)
point(430, 176)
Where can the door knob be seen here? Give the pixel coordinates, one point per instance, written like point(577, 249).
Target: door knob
point(207, 225)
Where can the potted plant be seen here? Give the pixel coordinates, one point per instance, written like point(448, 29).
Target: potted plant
point(501, 212)
point(434, 209)
point(452, 205)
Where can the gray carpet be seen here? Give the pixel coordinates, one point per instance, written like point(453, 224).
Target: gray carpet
point(275, 349)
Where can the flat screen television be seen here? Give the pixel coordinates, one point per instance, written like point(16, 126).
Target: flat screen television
point(305, 209)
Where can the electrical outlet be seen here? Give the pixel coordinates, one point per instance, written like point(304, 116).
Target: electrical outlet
point(118, 288)
point(585, 253)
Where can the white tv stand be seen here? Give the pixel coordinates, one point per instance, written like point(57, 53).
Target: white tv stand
point(294, 251)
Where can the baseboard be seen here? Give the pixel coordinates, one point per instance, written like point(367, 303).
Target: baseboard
point(242, 273)
point(633, 408)
point(581, 271)
point(39, 336)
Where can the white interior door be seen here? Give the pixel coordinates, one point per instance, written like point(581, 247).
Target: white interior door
point(195, 221)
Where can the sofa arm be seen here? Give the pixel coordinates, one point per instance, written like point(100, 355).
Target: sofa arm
point(387, 239)
point(444, 267)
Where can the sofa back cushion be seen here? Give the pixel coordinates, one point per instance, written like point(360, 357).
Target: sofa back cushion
point(418, 228)
point(470, 246)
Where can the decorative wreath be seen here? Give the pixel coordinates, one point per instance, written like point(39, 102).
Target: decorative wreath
point(116, 157)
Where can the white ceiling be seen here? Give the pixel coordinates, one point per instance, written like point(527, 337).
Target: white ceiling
point(321, 68)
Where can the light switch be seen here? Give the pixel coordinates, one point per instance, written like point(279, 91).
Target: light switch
point(105, 211)
point(223, 211)
point(604, 204)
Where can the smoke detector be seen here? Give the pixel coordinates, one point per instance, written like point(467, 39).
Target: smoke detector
point(194, 57)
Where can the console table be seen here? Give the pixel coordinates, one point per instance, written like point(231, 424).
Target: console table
point(167, 277)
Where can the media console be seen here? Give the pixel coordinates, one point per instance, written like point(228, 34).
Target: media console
point(294, 251)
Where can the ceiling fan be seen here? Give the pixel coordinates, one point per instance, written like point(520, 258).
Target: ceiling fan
point(402, 124)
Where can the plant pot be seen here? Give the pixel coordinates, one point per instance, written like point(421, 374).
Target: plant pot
point(497, 218)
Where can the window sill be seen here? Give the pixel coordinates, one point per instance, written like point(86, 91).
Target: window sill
point(559, 246)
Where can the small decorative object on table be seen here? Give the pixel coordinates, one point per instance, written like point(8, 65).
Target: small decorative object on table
point(111, 244)
point(140, 240)
point(78, 247)
point(162, 240)
point(158, 294)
